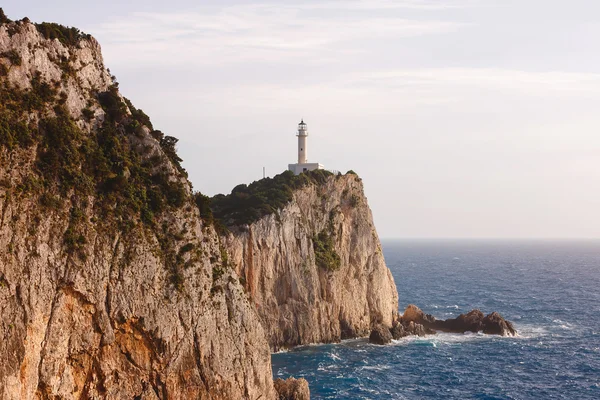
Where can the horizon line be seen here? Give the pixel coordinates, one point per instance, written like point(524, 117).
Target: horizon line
point(493, 238)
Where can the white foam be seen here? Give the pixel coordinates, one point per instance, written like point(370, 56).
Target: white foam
point(378, 367)
point(530, 331)
point(443, 338)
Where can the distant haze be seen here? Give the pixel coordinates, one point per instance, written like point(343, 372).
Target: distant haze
point(464, 118)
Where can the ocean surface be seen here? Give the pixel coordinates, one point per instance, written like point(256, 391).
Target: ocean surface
point(550, 290)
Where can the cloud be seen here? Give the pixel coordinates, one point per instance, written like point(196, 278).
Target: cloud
point(392, 5)
point(487, 78)
point(263, 32)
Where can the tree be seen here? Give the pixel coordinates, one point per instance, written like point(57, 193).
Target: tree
point(3, 18)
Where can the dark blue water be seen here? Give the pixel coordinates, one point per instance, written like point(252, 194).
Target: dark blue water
point(550, 290)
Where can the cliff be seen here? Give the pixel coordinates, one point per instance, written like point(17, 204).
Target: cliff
point(114, 282)
point(111, 286)
point(314, 268)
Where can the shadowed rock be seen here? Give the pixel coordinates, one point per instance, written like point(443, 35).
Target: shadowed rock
point(380, 335)
point(398, 331)
point(494, 324)
point(292, 389)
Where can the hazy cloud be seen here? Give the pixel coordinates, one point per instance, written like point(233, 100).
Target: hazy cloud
point(265, 32)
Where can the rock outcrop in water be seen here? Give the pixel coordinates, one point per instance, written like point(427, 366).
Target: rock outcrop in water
point(414, 322)
point(473, 321)
point(380, 335)
point(292, 389)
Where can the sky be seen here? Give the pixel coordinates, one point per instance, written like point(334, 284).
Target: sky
point(465, 118)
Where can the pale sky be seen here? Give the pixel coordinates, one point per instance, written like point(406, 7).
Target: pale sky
point(465, 118)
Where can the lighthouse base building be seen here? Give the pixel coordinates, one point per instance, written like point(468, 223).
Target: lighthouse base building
point(303, 165)
point(300, 168)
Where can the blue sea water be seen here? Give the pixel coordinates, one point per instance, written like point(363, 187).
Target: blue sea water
point(550, 290)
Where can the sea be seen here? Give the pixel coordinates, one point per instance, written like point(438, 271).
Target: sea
point(550, 290)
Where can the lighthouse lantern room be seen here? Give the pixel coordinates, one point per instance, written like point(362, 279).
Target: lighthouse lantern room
point(303, 165)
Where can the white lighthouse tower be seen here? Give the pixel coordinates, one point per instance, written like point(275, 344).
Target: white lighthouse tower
point(303, 165)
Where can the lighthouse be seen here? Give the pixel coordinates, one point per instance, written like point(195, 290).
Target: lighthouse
point(303, 165)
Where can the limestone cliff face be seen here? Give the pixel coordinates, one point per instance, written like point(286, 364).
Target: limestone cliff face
point(112, 286)
point(88, 308)
point(298, 301)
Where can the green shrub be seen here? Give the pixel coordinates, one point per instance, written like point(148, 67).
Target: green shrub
point(3, 18)
point(67, 36)
point(87, 114)
point(325, 255)
point(203, 203)
point(186, 248)
point(59, 159)
point(217, 273)
point(138, 115)
point(112, 104)
point(168, 145)
point(49, 201)
point(248, 203)
point(12, 56)
point(73, 238)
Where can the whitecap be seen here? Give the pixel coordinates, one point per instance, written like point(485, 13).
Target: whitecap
point(530, 331)
point(378, 367)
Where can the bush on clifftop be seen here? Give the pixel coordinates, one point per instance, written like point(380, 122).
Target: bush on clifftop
point(3, 18)
point(67, 36)
point(249, 203)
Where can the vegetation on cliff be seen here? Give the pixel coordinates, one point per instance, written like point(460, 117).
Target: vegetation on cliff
point(67, 36)
point(3, 18)
point(325, 255)
point(248, 203)
point(127, 182)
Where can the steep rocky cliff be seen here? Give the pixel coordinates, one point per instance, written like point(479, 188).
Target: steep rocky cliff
point(114, 282)
point(314, 269)
point(111, 286)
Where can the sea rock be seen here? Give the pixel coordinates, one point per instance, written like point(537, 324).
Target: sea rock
point(494, 324)
point(415, 314)
point(292, 389)
point(398, 331)
point(470, 322)
point(412, 313)
point(473, 321)
point(416, 329)
point(380, 335)
point(298, 301)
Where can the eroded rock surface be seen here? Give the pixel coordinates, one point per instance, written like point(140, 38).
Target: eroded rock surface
point(292, 389)
point(298, 301)
point(380, 335)
point(93, 303)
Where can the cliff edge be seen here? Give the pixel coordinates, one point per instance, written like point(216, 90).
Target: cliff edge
point(116, 281)
point(314, 268)
point(111, 285)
